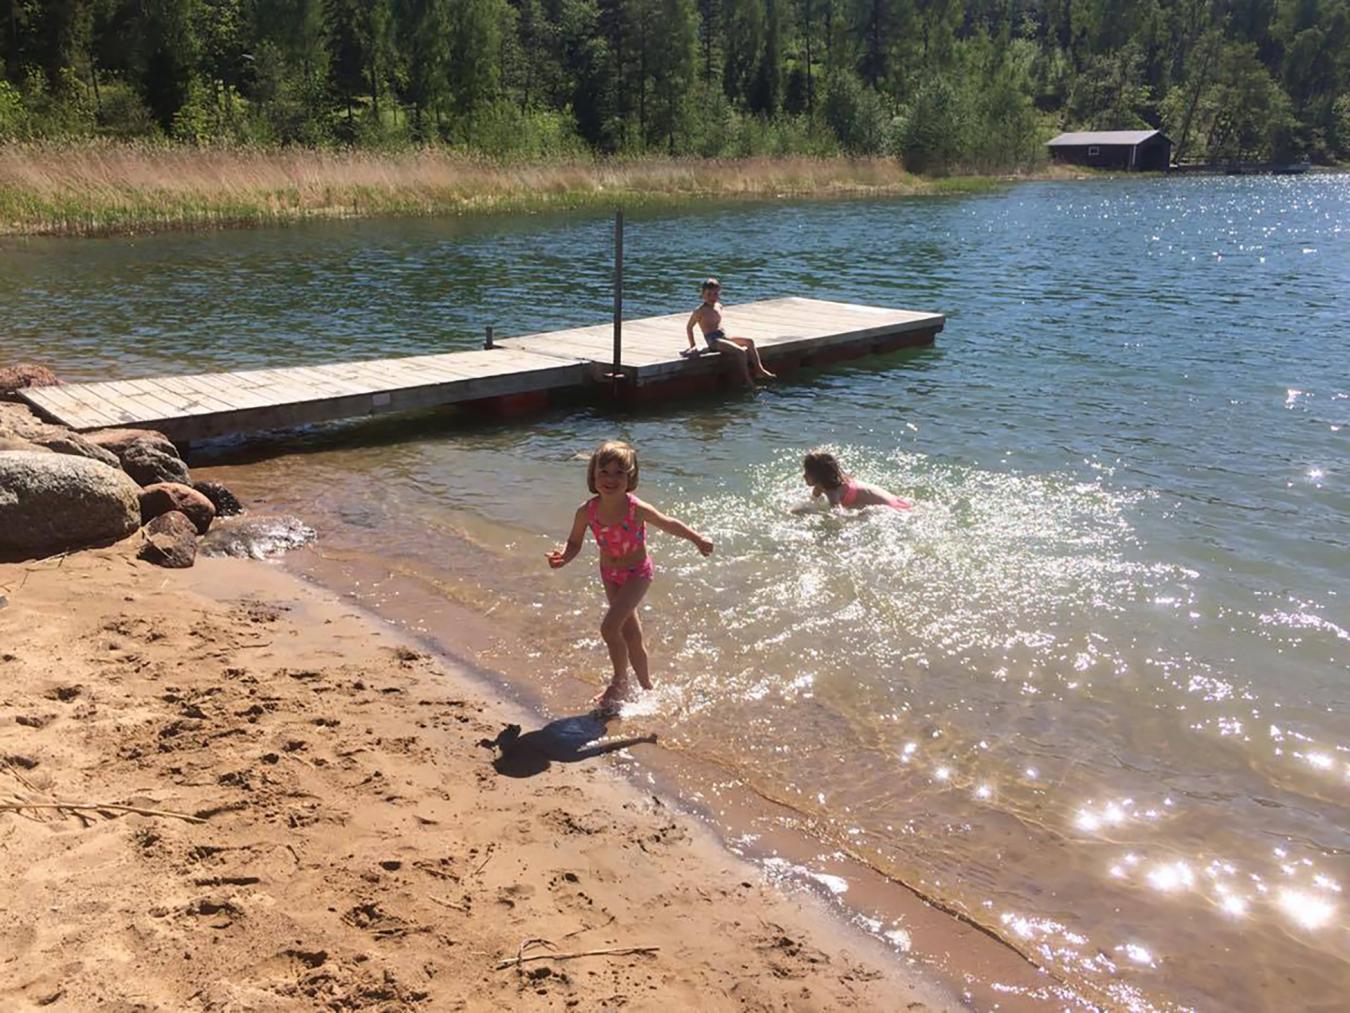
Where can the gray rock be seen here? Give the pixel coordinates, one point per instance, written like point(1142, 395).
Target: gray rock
point(149, 463)
point(55, 502)
point(170, 541)
point(60, 440)
point(146, 455)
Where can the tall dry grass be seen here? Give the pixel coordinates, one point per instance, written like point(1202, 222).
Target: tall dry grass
point(100, 188)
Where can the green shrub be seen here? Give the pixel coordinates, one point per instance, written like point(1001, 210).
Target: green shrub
point(502, 130)
point(931, 135)
point(122, 113)
point(1339, 139)
point(13, 116)
point(857, 115)
point(712, 123)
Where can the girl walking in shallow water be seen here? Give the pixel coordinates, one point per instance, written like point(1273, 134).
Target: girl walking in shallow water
point(618, 520)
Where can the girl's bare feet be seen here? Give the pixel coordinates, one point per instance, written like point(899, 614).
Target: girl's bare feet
point(612, 698)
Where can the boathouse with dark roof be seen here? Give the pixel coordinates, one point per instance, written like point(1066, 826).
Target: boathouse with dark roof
point(1130, 150)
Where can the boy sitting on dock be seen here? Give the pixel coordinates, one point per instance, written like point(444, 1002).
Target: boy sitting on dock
point(708, 316)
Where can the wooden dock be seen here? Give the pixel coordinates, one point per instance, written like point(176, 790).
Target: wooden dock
point(517, 374)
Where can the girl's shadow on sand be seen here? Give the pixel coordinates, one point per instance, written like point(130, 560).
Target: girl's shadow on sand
point(566, 740)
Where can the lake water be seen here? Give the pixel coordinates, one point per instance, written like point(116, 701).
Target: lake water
point(1092, 692)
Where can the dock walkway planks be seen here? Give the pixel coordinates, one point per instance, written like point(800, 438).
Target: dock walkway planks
point(789, 332)
point(790, 327)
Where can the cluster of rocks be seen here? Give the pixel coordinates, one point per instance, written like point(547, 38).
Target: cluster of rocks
point(61, 490)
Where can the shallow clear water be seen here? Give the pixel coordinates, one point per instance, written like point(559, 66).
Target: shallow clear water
point(1092, 691)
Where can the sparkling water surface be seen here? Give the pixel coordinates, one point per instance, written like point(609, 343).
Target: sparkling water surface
point(1092, 691)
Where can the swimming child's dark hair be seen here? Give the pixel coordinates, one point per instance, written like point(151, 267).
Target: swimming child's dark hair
point(709, 283)
point(608, 452)
point(822, 469)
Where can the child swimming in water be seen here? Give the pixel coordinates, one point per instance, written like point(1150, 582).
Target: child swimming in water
point(618, 520)
point(823, 474)
point(708, 316)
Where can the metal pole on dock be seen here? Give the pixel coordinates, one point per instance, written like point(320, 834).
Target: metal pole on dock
point(487, 336)
point(617, 374)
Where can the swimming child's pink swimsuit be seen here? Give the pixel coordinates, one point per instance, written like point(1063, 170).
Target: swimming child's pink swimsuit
point(850, 489)
point(620, 540)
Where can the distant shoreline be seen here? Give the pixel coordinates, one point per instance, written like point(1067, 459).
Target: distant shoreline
point(103, 189)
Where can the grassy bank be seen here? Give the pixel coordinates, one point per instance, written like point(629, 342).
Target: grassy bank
point(103, 189)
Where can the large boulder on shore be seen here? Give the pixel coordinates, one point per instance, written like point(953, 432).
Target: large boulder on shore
point(25, 374)
point(54, 502)
point(163, 497)
point(146, 455)
point(17, 422)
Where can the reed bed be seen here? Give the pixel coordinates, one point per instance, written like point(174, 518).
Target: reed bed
point(106, 188)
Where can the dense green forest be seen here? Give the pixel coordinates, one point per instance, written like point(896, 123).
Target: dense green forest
point(942, 84)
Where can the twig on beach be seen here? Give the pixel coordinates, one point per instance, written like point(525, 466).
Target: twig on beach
point(32, 817)
point(616, 951)
point(28, 571)
point(78, 807)
point(590, 928)
point(14, 771)
point(483, 865)
point(450, 904)
point(525, 944)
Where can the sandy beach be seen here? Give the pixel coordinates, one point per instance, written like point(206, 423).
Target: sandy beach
point(317, 824)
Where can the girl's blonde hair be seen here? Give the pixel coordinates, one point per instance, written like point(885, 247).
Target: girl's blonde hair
point(610, 451)
point(823, 469)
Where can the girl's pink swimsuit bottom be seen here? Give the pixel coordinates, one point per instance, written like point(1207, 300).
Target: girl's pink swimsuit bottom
point(621, 575)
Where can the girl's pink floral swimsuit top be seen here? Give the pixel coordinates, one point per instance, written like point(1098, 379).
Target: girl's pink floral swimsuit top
point(619, 540)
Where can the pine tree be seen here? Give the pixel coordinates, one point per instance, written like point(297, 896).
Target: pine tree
point(673, 67)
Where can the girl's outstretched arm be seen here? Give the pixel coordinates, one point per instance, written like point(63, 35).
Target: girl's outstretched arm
point(650, 515)
point(563, 556)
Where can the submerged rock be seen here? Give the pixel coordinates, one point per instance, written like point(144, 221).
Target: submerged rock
point(221, 498)
point(256, 537)
point(55, 502)
point(170, 541)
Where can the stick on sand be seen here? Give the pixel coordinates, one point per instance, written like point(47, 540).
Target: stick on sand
point(618, 951)
point(97, 807)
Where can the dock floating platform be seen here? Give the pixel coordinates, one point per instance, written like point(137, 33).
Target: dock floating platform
point(517, 374)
